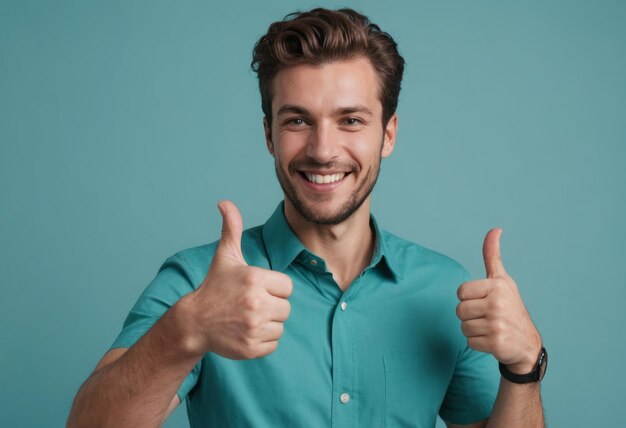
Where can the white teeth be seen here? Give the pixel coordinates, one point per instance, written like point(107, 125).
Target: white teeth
point(324, 179)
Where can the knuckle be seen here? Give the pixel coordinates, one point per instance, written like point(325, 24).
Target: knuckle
point(246, 344)
point(500, 284)
point(249, 353)
point(496, 306)
point(289, 286)
point(247, 341)
point(460, 292)
point(251, 322)
point(253, 277)
point(459, 310)
point(281, 329)
point(252, 302)
point(284, 283)
point(288, 310)
point(497, 327)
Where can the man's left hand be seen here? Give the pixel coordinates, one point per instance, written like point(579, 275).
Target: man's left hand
point(493, 316)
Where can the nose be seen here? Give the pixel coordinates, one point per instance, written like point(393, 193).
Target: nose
point(322, 143)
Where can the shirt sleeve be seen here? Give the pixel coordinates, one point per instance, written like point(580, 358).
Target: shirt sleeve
point(173, 280)
point(472, 391)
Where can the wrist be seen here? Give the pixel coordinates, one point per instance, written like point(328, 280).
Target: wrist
point(521, 368)
point(535, 375)
point(528, 364)
point(530, 358)
point(187, 338)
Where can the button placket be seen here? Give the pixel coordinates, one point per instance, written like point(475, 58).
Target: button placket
point(343, 365)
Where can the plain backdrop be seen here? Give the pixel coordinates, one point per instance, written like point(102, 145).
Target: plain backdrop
point(122, 123)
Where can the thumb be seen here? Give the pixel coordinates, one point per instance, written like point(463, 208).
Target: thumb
point(491, 254)
point(232, 227)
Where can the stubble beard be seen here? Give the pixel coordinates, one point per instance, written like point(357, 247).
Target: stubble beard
point(353, 203)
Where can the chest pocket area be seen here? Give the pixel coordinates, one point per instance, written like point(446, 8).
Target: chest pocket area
point(414, 390)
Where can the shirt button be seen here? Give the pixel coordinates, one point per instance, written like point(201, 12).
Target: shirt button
point(345, 398)
point(344, 305)
point(313, 262)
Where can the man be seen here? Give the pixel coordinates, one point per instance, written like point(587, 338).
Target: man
point(367, 322)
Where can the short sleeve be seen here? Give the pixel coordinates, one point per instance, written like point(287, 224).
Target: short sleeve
point(473, 388)
point(474, 385)
point(173, 280)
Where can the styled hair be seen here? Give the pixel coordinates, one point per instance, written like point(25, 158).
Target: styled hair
point(322, 36)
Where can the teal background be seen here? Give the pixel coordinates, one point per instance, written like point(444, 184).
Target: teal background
point(123, 123)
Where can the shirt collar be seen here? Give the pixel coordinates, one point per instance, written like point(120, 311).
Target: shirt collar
point(283, 246)
point(381, 250)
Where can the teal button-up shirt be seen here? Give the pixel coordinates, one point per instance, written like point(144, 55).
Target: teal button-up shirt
point(387, 352)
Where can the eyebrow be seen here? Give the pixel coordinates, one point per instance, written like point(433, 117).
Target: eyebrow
point(291, 108)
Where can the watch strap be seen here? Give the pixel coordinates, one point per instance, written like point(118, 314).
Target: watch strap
point(533, 376)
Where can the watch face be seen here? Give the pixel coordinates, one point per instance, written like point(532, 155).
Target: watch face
point(543, 363)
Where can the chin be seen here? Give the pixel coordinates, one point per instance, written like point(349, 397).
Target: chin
point(326, 213)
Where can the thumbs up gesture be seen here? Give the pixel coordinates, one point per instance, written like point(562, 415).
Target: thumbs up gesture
point(493, 316)
point(238, 311)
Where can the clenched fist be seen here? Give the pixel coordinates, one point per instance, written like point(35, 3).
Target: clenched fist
point(493, 316)
point(238, 311)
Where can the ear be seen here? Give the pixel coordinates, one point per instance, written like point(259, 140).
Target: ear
point(390, 136)
point(268, 136)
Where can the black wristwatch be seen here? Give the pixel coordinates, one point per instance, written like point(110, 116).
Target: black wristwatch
point(535, 376)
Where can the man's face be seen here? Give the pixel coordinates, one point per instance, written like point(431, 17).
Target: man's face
point(327, 137)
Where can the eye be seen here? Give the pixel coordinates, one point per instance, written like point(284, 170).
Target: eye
point(296, 121)
point(352, 121)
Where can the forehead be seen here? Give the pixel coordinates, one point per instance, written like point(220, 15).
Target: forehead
point(327, 87)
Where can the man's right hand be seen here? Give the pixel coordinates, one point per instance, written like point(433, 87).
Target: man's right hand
point(238, 311)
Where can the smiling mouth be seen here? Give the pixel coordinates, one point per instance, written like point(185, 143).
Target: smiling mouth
point(325, 178)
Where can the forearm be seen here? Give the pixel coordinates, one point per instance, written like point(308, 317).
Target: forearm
point(517, 406)
point(138, 387)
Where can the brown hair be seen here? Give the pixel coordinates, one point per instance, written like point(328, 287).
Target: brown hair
point(320, 36)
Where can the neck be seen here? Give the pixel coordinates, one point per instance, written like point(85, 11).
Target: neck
point(346, 247)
